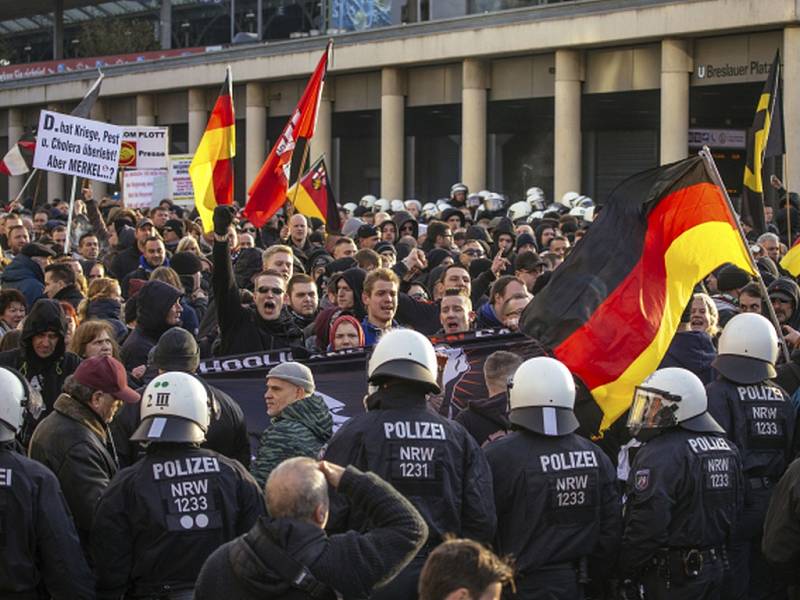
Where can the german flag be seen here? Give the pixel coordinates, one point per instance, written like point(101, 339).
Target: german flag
point(312, 196)
point(212, 166)
point(765, 138)
point(611, 309)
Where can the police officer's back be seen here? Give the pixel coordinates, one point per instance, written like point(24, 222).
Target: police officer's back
point(161, 518)
point(556, 495)
point(40, 547)
point(758, 417)
point(684, 491)
point(434, 462)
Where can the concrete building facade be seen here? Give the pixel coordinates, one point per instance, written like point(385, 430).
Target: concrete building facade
point(572, 96)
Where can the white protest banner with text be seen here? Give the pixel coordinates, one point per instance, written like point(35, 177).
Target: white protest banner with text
point(180, 182)
point(75, 146)
point(144, 148)
point(144, 188)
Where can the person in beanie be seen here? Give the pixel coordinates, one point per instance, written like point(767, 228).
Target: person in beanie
point(26, 271)
point(301, 423)
point(177, 350)
point(74, 441)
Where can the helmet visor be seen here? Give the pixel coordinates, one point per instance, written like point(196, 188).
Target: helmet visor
point(492, 203)
point(652, 409)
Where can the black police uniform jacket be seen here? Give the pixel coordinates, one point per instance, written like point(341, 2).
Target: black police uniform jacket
point(432, 461)
point(161, 518)
point(38, 539)
point(685, 491)
point(557, 500)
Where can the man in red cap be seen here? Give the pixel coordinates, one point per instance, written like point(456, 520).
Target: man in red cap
point(74, 441)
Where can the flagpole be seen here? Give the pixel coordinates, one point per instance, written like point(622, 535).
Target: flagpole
point(788, 203)
point(705, 154)
point(69, 217)
point(25, 186)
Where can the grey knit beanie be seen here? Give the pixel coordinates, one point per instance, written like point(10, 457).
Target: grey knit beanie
point(294, 373)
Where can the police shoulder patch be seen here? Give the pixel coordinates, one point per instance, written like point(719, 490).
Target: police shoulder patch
point(641, 480)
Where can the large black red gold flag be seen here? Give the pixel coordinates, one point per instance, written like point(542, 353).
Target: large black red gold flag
point(611, 309)
point(765, 138)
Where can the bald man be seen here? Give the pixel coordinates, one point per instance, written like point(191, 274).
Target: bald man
point(351, 563)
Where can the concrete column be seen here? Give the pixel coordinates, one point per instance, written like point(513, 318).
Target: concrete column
point(165, 24)
point(99, 188)
point(198, 116)
point(15, 131)
point(322, 140)
point(791, 105)
point(145, 110)
point(567, 146)
point(55, 181)
point(676, 64)
point(58, 30)
point(475, 81)
point(393, 105)
point(256, 122)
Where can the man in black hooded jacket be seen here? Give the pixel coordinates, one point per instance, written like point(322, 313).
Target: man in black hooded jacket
point(157, 309)
point(244, 329)
point(42, 357)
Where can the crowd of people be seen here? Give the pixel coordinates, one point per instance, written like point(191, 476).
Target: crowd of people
point(124, 475)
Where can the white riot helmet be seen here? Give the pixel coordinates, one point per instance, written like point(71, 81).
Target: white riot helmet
point(474, 200)
point(579, 212)
point(350, 207)
point(535, 197)
point(569, 198)
point(175, 407)
point(588, 216)
point(367, 201)
point(404, 354)
point(583, 202)
point(429, 211)
point(670, 397)
point(458, 187)
point(748, 349)
point(541, 395)
point(519, 210)
point(494, 202)
point(537, 215)
point(397, 206)
point(382, 204)
point(16, 399)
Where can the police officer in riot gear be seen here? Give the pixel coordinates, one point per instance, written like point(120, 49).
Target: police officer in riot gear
point(160, 518)
point(758, 417)
point(39, 546)
point(556, 493)
point(684, 491)
point(432, 461)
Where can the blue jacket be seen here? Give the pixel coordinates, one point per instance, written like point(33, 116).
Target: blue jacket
point(371, 333)
point(693, 351)
point(25, 275)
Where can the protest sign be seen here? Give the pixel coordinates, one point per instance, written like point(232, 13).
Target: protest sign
point(79, 147)
point(143, 188)
point(180, 182)
point(144, 148)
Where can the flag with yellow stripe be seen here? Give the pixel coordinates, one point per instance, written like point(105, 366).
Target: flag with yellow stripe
point(612, 308)
point(211, 169)
point(765, 138)
point(791, 261)
point(312, 196)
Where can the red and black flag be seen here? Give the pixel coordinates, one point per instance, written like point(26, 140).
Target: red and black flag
point(609, 312)
point(764, 139)
point(313, 196)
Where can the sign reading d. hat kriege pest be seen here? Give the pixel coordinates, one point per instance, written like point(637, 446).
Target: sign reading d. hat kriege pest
point(75, 146)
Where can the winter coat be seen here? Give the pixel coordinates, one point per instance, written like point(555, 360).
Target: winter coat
point(352, 563)
point(486, 419)
point(74, 443)
point(153, 304)
point(44, 374)
point(242, 329)
point(109, 310)
point(693, 351)
point(487, 318)
point(302, 429)
point(25, 275)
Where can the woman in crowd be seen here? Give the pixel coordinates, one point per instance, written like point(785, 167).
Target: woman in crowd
point(345, 333)
point(94, 338)
point(12, 310)
point(72, 320)
point(704, 315)
point(105, 302)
